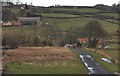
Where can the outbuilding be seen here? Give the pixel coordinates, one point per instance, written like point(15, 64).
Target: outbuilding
point(28, 20)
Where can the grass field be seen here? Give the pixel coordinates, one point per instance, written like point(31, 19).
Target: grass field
point(47, 68)
point(55, 60)
point(89, 10)
point(116, 21)
point(67, 23)
point(111, 14)
point(113, 51)
point(56, 15)
point(109, 27)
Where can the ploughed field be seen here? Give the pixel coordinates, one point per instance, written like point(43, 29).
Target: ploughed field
point(38, 54)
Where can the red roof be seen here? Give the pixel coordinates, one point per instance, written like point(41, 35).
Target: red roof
point(86, 40)
point(83, 40)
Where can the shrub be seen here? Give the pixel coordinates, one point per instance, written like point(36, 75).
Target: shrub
point(11, 40)
point(37, 41)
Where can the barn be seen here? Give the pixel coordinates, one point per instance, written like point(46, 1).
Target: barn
point(29, 20)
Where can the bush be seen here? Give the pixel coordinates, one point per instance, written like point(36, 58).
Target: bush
point(78, 43)
point(37, 41)
point(11, 39)
point(50, 43)
point(44, 43)
point(62, 43)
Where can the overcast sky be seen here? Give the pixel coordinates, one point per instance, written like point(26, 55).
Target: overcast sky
point(69, 2)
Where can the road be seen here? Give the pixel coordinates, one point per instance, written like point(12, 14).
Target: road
point(90, 63)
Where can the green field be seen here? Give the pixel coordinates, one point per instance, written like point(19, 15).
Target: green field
point(66, 23)
point(74, 22)
point(113, 51)
point(89, 10)
point(56, 15)
point(109, 27)
point(116, 21)
point(111, 14)
point(47, 68)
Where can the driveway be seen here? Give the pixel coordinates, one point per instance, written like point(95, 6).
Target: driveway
point(90, 63)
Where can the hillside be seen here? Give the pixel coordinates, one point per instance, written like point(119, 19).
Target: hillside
point(66, 17)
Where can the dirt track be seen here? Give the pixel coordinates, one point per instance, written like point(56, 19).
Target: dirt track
point(38, 54)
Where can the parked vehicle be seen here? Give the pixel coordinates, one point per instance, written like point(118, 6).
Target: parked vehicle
point(106, 47)
point(71, 45)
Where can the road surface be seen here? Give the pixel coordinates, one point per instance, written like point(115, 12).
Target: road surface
point(90, 63)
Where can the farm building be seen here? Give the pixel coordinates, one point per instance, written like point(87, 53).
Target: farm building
point(11, 23)
point(22, 21)
point(28, 20)
point(100, 45)
point(83, 41)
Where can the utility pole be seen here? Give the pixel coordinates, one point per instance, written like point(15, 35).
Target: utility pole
point(57, 36)
point(46, 31)
point(35, 31)
point(35, 25)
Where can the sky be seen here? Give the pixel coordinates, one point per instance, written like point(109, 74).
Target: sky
point(69, 2)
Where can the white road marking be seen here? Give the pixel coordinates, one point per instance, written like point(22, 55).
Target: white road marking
point(81, 56)
point(86, 64)
point(89, 68)
point(89, 56)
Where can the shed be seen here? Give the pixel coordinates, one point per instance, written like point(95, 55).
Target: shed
point(28, 20)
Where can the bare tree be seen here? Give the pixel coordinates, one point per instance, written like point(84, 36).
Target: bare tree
point(94, 31)
point(8, 15)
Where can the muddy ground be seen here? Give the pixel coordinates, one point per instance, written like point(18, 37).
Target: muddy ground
point(38, 54)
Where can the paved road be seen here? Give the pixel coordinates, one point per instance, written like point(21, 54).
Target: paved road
point(91, 64)
point(0, 73)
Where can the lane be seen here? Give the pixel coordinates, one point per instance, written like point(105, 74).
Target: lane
point(90, 63)
point(0, 72)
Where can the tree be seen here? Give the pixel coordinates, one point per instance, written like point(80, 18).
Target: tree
point(94, 31)
point(118, 32)
point(114, 5)
point(11, 39)
point(78, 43)
point(22, 13)
point(26, 6)
point(8, 15)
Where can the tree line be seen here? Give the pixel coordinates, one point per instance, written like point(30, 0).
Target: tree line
point(50, 35)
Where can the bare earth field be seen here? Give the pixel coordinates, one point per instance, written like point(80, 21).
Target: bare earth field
point(38, 54)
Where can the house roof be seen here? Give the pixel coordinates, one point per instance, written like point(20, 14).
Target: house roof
point(86, 40)
point(83, 40)
point(29, 18)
